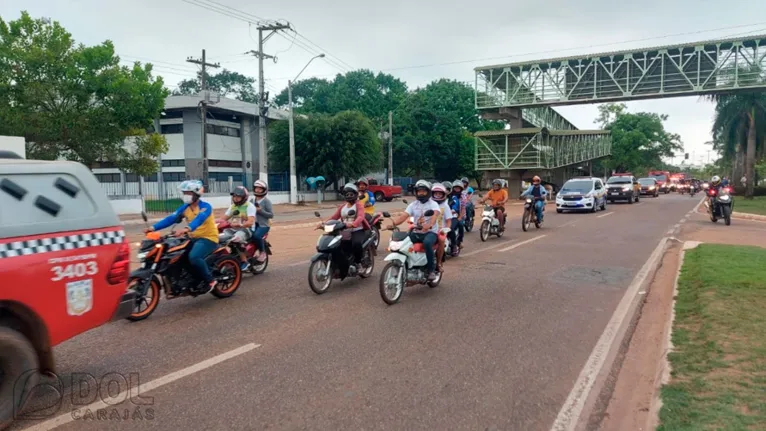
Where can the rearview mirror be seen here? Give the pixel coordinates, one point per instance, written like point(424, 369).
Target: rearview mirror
point(404, 201)
point(429, 213)
point(386, 214)
point(316, 214)
point(352, 213)
point(179, 218)
point(235, 213)
point(144, 216)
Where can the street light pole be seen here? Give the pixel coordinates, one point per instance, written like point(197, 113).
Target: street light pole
point(293, 177)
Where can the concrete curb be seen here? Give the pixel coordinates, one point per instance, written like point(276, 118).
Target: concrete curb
point(748, 216)
point(653, 418)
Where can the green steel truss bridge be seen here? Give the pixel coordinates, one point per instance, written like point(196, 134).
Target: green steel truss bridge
point(539, 148)
point(699, 68)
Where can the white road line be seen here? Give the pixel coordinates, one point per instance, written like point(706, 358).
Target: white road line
point(154, 384)
point(521, 243)
point(569, 223)
point(303, 262)
point(570, 412)
point(604, 215)
point(481, 250)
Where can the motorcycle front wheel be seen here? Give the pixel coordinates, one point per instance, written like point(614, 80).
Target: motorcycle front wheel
point(392, 283)
point(320, 275)
point(150, 297)
point(484, 230)
point(525, 220)
point(727, 215)
point(376, 232)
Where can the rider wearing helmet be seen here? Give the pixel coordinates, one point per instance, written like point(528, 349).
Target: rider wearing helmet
point(498, 196)
point(538, 194)
point(715, 187)
point(263, 215)
point(367, 198)
point(242, 223)
point(458, 202)
point(202, 228)
point(439, 195)
point(427, 234)
point(447, 186)
point(357, 223)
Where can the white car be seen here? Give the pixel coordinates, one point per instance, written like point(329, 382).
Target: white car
point(581, 194)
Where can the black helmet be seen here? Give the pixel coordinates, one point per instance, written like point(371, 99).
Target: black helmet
point(423, 185)
point(239, 192)
point(350, 192)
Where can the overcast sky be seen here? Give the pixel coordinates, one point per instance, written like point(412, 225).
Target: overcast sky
point(417, 41)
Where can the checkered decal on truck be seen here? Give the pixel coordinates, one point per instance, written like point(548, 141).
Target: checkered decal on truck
point(59, 243)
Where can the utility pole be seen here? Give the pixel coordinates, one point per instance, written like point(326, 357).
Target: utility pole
point(203, 109)
point(263, 173)
point(390, 148)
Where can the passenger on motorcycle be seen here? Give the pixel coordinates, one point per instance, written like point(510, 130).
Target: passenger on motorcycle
point(263, 215)
point(439, 195)
point(202, 228)
point(498, 196)
point(366, 198)
point(458, 202)
point(538, 194)
point(427, 235)
point(469, 202)
point(242, 223)
point(357, 223)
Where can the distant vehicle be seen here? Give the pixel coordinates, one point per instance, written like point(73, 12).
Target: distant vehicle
point(649, 187)
point(581, 194)
point(384, 192)
point(623, 187)
point(663, 180)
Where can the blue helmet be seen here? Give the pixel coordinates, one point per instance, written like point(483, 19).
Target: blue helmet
point(469, 190)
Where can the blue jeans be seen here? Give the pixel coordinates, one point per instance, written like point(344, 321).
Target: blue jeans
point(201, 248)
point(429, 239)
point(539, 205)
point(456, 232)
point(258, 235)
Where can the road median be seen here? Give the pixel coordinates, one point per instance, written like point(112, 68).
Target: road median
point(718, 356)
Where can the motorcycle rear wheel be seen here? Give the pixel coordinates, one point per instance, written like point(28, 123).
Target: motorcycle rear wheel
point(226, 266)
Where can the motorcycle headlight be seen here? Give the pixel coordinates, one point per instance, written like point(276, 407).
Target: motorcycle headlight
point(529, 201)
point(724, 197)
point(395, 245)
point(329, 228)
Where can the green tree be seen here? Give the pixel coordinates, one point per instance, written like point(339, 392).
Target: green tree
point(639, 141)
point(360, 90)
point(73, 101)
point(740, 129)
point(432, 130)
point(227, 83)
point(345, 144)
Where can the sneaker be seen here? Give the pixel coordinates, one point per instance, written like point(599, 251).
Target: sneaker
point(211, 286)
point(244, 266)
point(260, 256)
point(431, 276)
point(352, 270)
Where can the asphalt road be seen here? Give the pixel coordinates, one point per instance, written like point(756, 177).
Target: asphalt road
point(498, 345)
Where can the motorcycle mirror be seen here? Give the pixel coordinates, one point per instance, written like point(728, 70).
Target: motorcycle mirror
point(352, 213)
point(179, 218)
point(235, 213)
point(429, 213)
point(404, 201)
point(316, 214)
point(386, 214)
point(144, 216)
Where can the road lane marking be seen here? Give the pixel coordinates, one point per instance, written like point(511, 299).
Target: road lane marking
point(521, 243)
point(569, 415)
point(569, 223)
point(154, 384)
point(303, 262)
point(481, 250)
point(604, 215)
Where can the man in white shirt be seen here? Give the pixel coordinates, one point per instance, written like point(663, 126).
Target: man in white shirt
point(428, 234)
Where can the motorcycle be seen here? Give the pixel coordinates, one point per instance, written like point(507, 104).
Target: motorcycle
point(248, 248)
point(375, 224)
point(165, 267)
point(722, 205)
point(490, 224)
point(327, 263)
point(530, 215)
point(470, 215)
point(692, 190)
point(406, 263)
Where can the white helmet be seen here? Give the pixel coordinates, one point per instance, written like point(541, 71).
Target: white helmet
point(716, 179)
point(262, 184)
point(439, 188)
point(194, 186)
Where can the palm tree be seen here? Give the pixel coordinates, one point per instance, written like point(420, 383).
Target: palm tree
point(740, 118)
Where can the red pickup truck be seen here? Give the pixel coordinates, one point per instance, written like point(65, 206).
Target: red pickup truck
point(384, 192)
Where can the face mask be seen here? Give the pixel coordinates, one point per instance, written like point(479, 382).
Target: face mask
point(423, 199)
point(187, 199)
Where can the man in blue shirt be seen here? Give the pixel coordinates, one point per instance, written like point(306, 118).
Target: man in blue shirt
point(538, 193)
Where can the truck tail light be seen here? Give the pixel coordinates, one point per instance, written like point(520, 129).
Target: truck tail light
point(118, 273)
